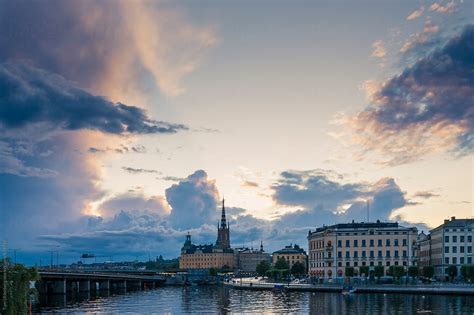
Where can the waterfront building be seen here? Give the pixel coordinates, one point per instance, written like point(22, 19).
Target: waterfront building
point(451, 244)
point(219, 255)
point(292, 254)
point(333, 248)
point(247, 259)
point(424, 245)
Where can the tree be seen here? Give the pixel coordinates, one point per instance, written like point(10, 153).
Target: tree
point(18, 290)
point(428, 272)
point(378, 271)
point(262, 268)
point(281, 264)
point(298, 269)
point(397, 271)
point(349, 272)
point(413, 271)
point(452, 272)
point(364, 270)
point(213, 272)
point(467, 272)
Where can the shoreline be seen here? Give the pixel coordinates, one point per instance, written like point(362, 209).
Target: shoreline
point(451, 290)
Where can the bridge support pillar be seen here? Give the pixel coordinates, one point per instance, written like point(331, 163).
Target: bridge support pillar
point(104, 287)
point(122, 286)
point(58, 286)
point(84, 286)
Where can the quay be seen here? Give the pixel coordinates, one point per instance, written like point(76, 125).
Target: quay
point(467, 289)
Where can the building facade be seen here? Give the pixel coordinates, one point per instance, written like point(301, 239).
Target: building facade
point(332, 248)
point(292, 254)
point(219, 255)
point(424, 245)
point(247, 259)
point(451, 244)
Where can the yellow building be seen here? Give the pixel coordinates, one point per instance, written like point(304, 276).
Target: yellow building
point(291, 254)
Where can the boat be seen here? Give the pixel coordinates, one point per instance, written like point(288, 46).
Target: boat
point(348, 290)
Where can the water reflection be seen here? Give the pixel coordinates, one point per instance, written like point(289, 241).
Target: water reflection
point(217, 299)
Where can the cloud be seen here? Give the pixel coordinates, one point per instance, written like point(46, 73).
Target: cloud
point(132, 170)
point(424, 110)
point(193, 201)
point(135, 203)
point(121, 49)
point(379, 49)
point(415, 14)
point(425, 194)
point(250, 184)
point(30, 96)
point(448, 8)
point(430, 27)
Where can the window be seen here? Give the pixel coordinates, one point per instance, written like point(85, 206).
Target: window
point(455, 238)
point(339, 264)
point(455, 260)
point(356, 254)
point(446, 239)
point(348, 244)
point(388, 264)
point(469, 260)
point(379, 242)
point(446, 260)
point(379, 254)
point(455, 249)
point(396, 263)
point(364, 263)
point(396, 242)
point(339, 243)
point(356, 243)
point(461, 238)
point(396, 253)
point(404, 263)
point(469, 238)
point(371, 263)
point(363, 243)
point(461, 249)
point(372, 254)
point(347, 254)
point(371, 243)
point(387, 242)
point(356, 263)
point(363, 254)
point(446, 249)
point(404, 242)
point(469, 249)
point(404, 253)
point(339, 254)
point(387, 254)
point(347, 264)
point(461, 260)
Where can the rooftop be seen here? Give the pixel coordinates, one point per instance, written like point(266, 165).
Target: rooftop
point(455, 223)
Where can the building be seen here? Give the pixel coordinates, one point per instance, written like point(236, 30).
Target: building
point(219, 255)
point(451, 244)
point(292, 254)
point(332, 248)
point(247, 259)
point(424, 245)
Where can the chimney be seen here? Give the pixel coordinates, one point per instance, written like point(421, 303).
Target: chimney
point(453, 218)
point(446, 221)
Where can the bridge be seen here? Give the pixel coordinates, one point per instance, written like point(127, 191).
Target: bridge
point(96, 283)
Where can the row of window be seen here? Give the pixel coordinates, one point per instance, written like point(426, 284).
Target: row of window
point(372, 233)
point(372, 254)
point(454, 249)
point(356, 264)
point(388, 242)
point(454, 260)
point(455, 230)
point(454, 238)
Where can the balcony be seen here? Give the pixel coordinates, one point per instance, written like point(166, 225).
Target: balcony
point(329, 248)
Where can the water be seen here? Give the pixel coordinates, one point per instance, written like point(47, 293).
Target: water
point(218, 299)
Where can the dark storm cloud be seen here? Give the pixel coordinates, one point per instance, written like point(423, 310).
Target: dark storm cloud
point(29, 95)
point(427, 108)
point(193, 201)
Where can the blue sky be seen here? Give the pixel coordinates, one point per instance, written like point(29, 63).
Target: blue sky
point(123, 124)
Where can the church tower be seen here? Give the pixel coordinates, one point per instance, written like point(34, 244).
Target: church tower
point(223, 237)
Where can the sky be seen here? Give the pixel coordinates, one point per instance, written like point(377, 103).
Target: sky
point(123, 124)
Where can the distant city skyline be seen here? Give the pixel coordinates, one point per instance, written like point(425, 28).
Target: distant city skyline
point(124, 123)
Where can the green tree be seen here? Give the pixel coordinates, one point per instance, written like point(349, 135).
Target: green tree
point(413, 271)
point(467, 272)
point(298, 269)
point(378, 271)
point(452, 272)
point(262, 268)
point(397, 272)
point(18, 290)
point(349, 272)
point(213, 272)
point(281, 264)
point(428, 272)
point(364, 270)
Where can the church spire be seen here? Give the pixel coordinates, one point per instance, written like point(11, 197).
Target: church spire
point(223, 219)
